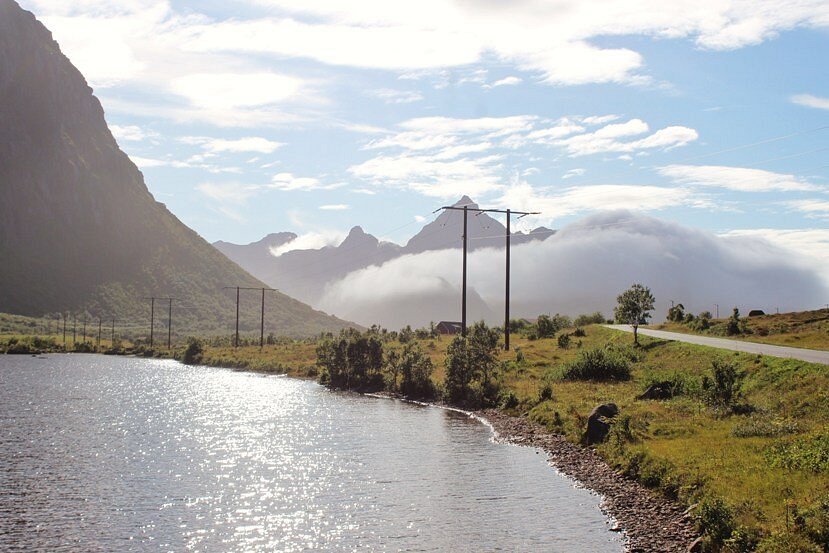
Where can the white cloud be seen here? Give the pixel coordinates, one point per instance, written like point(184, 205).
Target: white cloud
point(335, 207)
point(608, 139)
point(742, 179)
point(573, 173)
point(580, 199)
point(508, 81)
point(809, 246)
point(812, 207)
point(430, 176)
point(131, 133)
point(144, 41)
point(581, 269)
point(310, 241)
point(228, 192)
point(246, 144)
point(288, 182)
point(811, 101)
point(195, 162)
point(235, 90)
point(391, 96)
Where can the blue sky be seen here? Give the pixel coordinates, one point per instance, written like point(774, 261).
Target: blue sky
point(256, 116)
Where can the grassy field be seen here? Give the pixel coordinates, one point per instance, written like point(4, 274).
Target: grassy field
point(806, 329)
point(768, 463)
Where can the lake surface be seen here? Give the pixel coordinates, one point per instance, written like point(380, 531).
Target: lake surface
point(115, 454)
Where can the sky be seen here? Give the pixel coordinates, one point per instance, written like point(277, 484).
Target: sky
point(249, 117)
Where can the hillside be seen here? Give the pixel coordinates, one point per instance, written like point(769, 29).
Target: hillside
point(801, 329)
point(79, 231)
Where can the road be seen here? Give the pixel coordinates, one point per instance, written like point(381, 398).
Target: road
point(810, 355)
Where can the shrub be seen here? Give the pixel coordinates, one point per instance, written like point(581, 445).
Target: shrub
point(733, 327)
point(547, 326)
point(563, 341)
point(545, 393)
point(598, 364)
point(808, 453)
point(716, 521)
point(471, 365)
point(509, 400)
point(723, 387)
point(416, 373)
point(592, 318)
point(790, 542)
point(763, 427)
point(194, 353)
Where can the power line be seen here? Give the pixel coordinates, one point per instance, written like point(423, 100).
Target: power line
point(753, 144)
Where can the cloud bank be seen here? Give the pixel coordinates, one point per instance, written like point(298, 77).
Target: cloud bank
point(581, 269)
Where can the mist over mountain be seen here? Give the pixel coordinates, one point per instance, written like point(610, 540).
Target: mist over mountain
point(305, 273)
point(582, 268)
point(79, 231)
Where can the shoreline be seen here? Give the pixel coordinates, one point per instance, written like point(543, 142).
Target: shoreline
point(651, 523)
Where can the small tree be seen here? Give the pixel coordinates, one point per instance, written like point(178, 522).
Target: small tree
point(733, 328)
point(676, 314)
point(472, 359)
point(634, 308)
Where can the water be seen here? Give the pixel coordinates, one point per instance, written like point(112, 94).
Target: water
point(116, 454)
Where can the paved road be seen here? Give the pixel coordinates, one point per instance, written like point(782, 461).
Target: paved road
point(810, 355)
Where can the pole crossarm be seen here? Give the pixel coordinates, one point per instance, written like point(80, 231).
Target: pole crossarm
point(509, 213)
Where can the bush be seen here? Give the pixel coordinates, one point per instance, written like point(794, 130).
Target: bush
point(416, 373)
point(563, 341)
point(790, 542)
point(545, 393)
point(592, 318)
point(194, 353)
point(808, 453)
point(547, 326)
point(509, 400)
point(763, 427)
point(723, 388)
point(716, 521)
point(598, 364)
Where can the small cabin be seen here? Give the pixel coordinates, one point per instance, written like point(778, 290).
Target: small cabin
point(449, 327)
point(756, 313)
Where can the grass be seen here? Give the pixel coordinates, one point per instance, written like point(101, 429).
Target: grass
point(805, 329)
point(681, 445)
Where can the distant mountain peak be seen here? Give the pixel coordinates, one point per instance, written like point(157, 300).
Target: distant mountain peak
point(465, 201)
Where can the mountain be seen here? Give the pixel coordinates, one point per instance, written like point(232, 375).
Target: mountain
point(79, 231)
point(305, 274)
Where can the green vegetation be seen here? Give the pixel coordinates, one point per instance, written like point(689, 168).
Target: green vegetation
point(807, 329)
point(633, 308)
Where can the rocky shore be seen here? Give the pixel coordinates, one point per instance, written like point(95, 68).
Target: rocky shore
point(652, 524)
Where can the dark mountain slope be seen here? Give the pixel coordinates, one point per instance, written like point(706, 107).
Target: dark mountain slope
point(78, 228)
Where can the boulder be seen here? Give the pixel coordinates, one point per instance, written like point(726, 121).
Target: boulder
point(597, 428)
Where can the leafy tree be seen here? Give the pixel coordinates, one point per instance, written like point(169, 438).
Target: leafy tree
point(634, 306)
point(547, 327)
point(416, 373)
point(472, 360)
point(676, 314)
point(733, 327)
point(588, 319)
point(406, 334)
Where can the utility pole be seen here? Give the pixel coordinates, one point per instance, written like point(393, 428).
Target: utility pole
point(112, 333)
point(509, 213)
point(74, 330)
point(64, 332)
point(169, 322)
point(152, 320)
point(717, 308)
point(99, 334)
point(262, 313)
